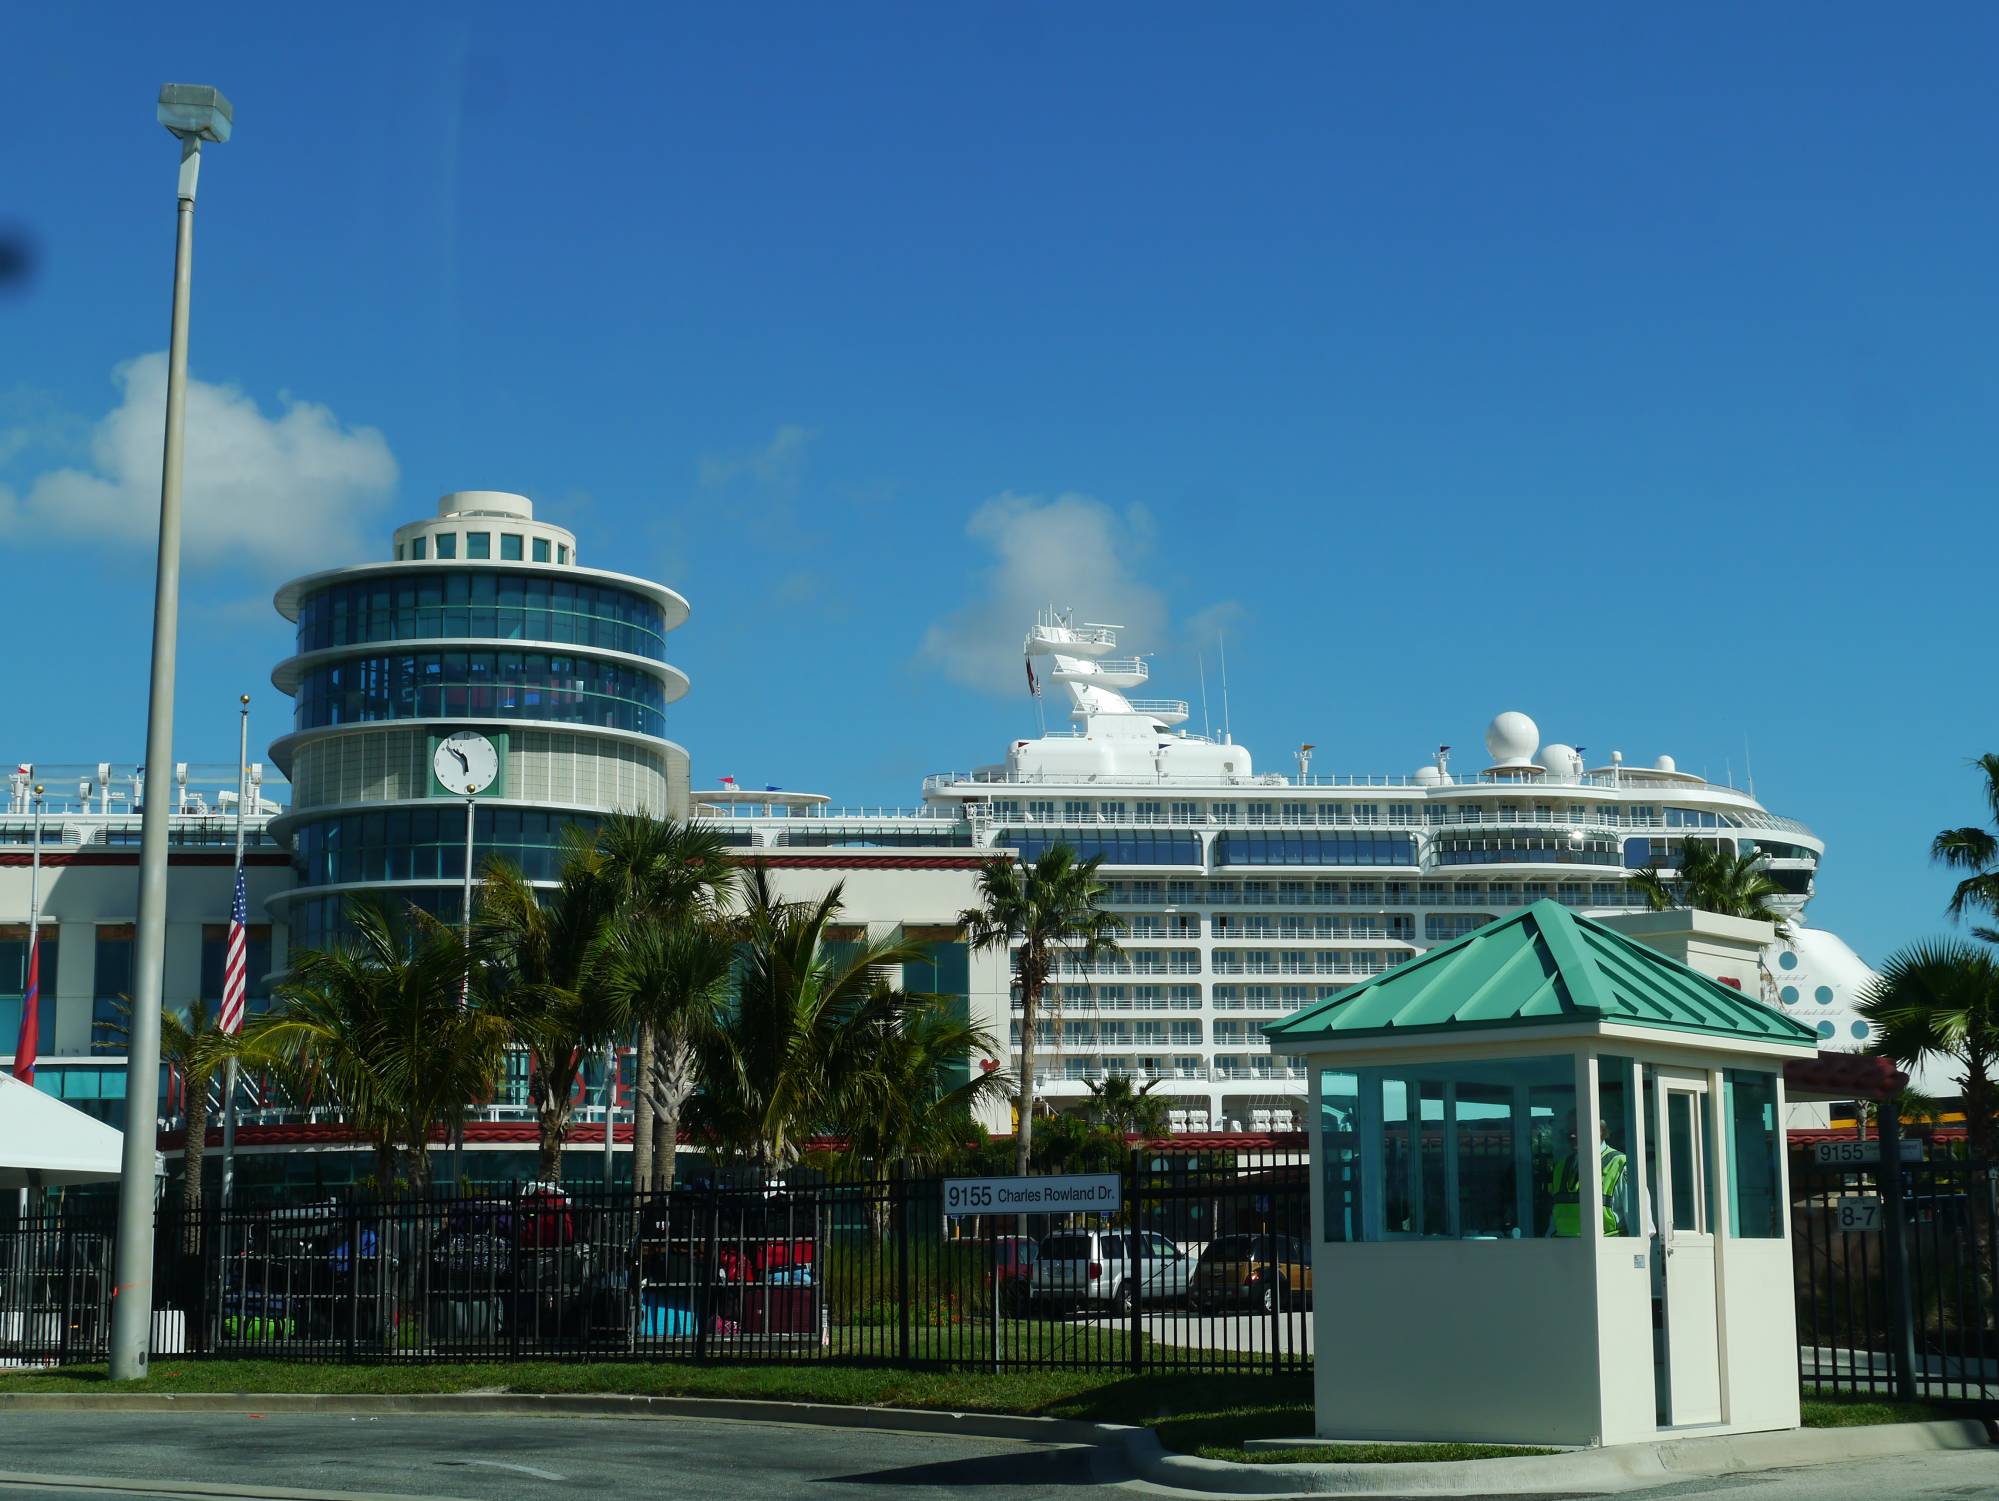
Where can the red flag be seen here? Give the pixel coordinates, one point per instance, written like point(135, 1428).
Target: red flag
point(1032, 686)
point(31, 1021)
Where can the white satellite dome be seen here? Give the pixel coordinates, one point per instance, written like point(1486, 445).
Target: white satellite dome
point(1560, 760)
point(1428, 776)
point(1665, 763)
point(1510, 739)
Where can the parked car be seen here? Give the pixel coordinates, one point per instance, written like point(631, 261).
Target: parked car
point(1264, 1271)
point(1111, 1268)
point(1006, 1261)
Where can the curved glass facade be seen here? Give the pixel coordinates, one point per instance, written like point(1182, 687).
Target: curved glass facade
point(321, 921)
point(472, 602)
point(552, 686)
point(428, 843)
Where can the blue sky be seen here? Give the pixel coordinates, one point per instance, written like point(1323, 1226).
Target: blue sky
point(1632, 370)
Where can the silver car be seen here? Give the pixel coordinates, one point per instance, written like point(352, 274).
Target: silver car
point(1108, 1268)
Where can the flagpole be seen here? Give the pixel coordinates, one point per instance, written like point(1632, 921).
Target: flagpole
point(34, 996)
point(229, 1069)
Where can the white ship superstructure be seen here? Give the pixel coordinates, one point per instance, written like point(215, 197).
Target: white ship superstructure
point(1249, 894)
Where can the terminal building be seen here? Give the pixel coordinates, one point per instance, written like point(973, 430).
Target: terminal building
point(1246, 893)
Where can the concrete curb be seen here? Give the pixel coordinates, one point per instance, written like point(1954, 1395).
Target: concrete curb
point(1623, 1467)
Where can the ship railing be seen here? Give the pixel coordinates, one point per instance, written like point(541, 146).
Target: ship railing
point(1165, 707)
point(1628, 780)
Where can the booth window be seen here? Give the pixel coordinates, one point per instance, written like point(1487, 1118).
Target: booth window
point(1339, 1142)
point(1617, 1107)
point(1755, 1199)
point(1459, 1151)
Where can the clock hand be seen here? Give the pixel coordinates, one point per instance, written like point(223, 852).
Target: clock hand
point(464, 764)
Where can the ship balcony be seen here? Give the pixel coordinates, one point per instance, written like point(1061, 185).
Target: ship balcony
point(1111, 672)
point(1168, 711)
point(1071, 640)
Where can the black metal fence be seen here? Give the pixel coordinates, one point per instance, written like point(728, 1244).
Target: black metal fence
point(1876, 1318)
point(1204, 1266)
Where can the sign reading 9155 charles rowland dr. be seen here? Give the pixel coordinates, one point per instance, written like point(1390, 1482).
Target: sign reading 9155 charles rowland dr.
point(1066, 1193)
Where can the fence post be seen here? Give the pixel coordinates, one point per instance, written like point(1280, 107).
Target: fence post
point(704, 1298)
point(353, 1283)
point(1895, 1251)
point(1135, 1261)
point(898, 1205)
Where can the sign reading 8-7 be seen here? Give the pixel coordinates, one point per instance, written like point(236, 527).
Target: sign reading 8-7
point(1860, 1214)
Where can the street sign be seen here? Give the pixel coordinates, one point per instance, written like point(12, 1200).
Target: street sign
point(1862, 1214)
point(1852, 1152)
point(1066, 1193)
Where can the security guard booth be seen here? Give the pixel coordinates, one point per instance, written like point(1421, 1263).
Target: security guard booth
point(1549, 1196)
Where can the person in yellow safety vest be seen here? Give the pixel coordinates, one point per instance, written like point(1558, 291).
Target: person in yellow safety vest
point(1566, 1219)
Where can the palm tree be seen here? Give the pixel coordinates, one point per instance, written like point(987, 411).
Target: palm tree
point(541, 948)
point(669, 980)
point(1941, 999)
point(379, 1023)
point(1041, 912)
point(195, 1044)
point(917, 1104)
point(1976, 850)
point(1128, 1109)
point(676, 872)
point(1714, 876)
point(795, 1053)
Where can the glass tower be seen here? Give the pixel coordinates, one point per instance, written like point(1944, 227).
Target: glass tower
point(482, 620)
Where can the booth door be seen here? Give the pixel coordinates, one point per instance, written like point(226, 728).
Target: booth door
point(1686, 1191)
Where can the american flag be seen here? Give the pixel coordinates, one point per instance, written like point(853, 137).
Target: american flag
point(236, 963)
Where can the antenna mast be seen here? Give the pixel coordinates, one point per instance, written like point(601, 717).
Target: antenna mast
point(1201, 661)
point(1221, 641)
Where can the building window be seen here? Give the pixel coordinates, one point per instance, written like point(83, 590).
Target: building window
point(419, 548)
point(110, 1007)
point(399, 552)
point(478, 544)
point(541, 551)
point(257, 959)
point(510, 547)
point(1453, 1151)
point(562, 556)
point(14, 984)
point(447, 544)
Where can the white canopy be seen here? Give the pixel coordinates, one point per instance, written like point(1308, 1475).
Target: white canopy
point(44, 1142)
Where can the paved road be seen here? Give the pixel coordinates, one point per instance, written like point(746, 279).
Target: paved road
point(530, 1459)
point(610, 1459)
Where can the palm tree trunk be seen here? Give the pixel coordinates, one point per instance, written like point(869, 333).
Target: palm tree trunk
point(1030, 1006)
point(642, 1114)
point(670, 1085)
point(552, 1106)
point(194, 1148)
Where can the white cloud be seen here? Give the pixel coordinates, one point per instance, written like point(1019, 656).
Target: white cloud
point(777, 467)
point(276, 492)
point(1071, 551)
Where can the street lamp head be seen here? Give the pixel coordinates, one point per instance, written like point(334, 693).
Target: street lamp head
point(196, 111)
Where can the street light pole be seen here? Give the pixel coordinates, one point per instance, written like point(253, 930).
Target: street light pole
point(193, 113)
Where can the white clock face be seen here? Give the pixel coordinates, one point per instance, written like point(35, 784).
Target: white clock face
point(466, 763)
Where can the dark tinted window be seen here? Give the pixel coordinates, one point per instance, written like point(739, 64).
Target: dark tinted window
point(1059, 1247)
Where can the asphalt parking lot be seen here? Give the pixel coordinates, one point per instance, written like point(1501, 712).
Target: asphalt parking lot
point(522, 1459)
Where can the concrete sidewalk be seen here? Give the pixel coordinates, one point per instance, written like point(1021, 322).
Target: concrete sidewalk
point(1623, 1468)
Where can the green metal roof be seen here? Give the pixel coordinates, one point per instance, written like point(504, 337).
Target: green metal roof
point(1542, 966)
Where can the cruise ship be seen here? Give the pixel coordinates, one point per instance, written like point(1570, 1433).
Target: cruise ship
point(1249, 893)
